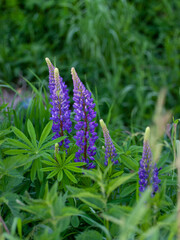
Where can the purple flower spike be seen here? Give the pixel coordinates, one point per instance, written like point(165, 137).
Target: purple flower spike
point(85, 126)
point(110, 152)
point(148, 172)
point(60, 113)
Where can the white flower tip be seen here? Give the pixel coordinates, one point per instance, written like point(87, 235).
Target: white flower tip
point(56, 73)
point(48, 61)
point(102, 123)
point(147, 134)
point(73, 71)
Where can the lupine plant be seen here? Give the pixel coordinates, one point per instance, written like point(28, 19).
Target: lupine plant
point(60, 112)
point(85, 124)
point(57, 181)
point(110, 151)
point(148, 171)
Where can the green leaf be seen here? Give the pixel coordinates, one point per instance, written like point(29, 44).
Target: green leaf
point(45, 133)
point(60, 175)
point(19, 227)
point(136, 216)
point(47, 169)
point(70, 176)
point(33, 170)
point(75, 221)
point(129, 162)
point(21, 135)
point(45, 155)
point(53, 173)
point(15, 151)
point(71, 157)
point(49, 163)
point(74, 169)
point(77, 164)
point(113, 184)
point(117, 174)
point(17, 143)
point(32, 133)
point(58, 157)
point(49, 144)
point(167, 169)
point(89, 235)
point(93, 200)
point(2, 141)
point(128, 189)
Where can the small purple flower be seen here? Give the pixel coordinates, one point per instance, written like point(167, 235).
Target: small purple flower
point(110, 152)
point(148, 171)
point(85, 124)
point(60, 113)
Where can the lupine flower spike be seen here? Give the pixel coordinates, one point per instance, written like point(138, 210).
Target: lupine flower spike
point(148, 172)
point(60, 113)
point(110, 152)
point(85, 124)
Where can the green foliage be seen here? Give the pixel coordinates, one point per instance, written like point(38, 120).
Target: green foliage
point(91, 235)
point(29, 150)
point(62, 166)
point(129, 48)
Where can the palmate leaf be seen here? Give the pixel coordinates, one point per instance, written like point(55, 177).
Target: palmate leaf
point(63, 166)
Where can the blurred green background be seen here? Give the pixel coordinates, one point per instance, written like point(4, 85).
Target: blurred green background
point(125, 50)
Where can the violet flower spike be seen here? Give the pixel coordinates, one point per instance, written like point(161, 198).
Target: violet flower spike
point(60, 113)
point(110, 152)
point(148, 171)
point(85, 124)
